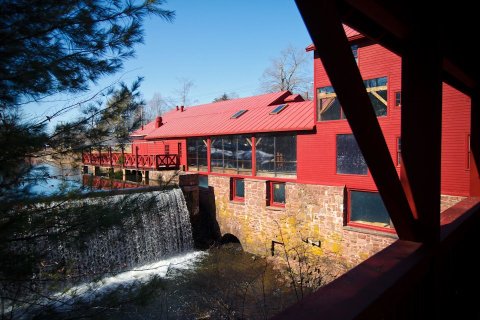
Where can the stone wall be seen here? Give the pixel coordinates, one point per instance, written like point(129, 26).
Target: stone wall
point(312, 220)
point(165, 176)
point(313, 214)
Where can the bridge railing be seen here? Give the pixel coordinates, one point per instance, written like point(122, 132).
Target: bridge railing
point(133, 161)
point(408, 280)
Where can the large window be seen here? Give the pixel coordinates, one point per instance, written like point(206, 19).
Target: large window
point(197, 154)
point(276, 155)
point(276, 194)
point(231, 154)
point(349, 157)
point(328, 107)
point(367, 209)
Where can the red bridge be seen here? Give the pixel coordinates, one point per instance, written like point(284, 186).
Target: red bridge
point(131, 161)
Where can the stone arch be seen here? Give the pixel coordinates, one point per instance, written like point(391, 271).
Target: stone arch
point(229, 238)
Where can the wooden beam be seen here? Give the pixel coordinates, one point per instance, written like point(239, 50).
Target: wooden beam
point(333, 48)
point(421, 124)
point(475, 146)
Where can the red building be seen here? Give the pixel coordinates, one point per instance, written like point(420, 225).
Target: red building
point(278, 163)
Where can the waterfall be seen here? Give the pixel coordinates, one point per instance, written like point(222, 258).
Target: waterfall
point(157, 225)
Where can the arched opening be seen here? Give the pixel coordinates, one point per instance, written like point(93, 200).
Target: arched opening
point(229, 238)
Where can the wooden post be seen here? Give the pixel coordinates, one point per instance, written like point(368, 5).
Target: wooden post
point(123, 157)
point(254, 157)
point(209, 143)
point(136, 157)
point(100, 155)
point(421, 125)
point(110, 156)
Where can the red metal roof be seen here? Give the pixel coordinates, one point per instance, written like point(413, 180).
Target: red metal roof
point(351, 34)
point(215, 118)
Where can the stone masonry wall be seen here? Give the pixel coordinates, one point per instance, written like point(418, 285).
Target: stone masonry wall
point(313, 214)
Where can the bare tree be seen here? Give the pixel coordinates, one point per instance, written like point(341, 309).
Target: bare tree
point(156, 106)
point(288, 72)
point(226, 96)
point(183, 91)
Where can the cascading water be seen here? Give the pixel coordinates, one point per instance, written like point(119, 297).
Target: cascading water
point(157, 226)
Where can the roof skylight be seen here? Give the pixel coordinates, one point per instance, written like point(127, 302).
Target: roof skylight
point(238, 114)
point(279, 109)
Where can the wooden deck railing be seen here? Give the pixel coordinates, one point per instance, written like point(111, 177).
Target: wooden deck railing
point(131, 161)
point(408, 280)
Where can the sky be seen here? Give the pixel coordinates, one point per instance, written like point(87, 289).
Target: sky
point(223, 46)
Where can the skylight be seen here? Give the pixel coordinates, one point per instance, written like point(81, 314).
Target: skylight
point(279, 109)
point(238, 114)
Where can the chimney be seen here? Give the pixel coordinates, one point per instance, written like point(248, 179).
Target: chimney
point(158, 122)
point(182, 108)
point(177, 108)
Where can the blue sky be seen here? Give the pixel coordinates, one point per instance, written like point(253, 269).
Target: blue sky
point(221, 45)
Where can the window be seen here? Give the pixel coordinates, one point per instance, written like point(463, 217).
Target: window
point(276, 155)
point(398, 99)
point(238, 114)
point(355, 52)
point(167, 149)
point(328, 107)
point(279, 109)
point(203, 181)
point(197, 154)
point(366, 208)
point(349, 157)
point(276, 194)
point(238, 189)
point(399, 151)
point(231, 154)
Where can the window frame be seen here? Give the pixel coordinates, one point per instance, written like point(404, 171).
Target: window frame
point(328, 92)
point(277, 156)
point(348, 221)
point(197, 167)
point(167, 149)
point(233, 190)
point(270, 199)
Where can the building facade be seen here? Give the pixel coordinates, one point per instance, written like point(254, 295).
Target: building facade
point(281, 172)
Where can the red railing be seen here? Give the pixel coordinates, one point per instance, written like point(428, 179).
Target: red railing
point(408, 280)
point(133, 161)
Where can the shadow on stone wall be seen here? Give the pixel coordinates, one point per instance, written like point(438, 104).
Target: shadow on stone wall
point(206, 230)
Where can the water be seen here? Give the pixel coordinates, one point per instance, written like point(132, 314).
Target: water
point(146, 266)
point(157, 225)
point(221, 283)
point(48, 178)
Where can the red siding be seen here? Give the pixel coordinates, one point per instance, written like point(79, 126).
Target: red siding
point(455, 128)
point(317, 152)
